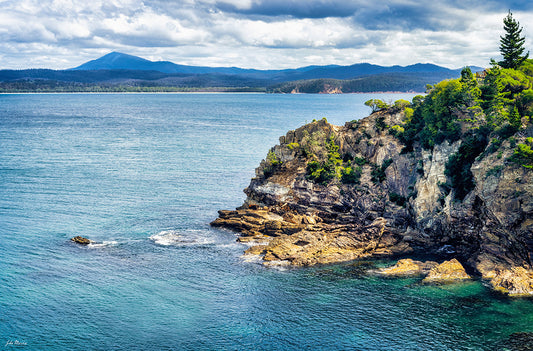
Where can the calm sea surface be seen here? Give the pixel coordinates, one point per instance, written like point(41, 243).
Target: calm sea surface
point(143, 175)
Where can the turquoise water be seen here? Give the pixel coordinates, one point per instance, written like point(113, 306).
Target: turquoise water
point(143, 175)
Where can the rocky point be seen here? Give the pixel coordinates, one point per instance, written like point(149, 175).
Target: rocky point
point(392, 204)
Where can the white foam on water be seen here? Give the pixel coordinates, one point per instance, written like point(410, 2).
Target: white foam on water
point(279, 265)
point(97, 245)
point(166, 238)
point(184, 238)
point(248, 258)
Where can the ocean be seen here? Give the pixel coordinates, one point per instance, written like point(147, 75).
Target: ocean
point(142, 175)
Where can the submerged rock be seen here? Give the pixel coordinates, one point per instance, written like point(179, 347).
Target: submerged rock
point(81, 240)
point(519, 342)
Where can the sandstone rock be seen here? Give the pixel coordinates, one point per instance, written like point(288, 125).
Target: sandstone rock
point(407, 266)
point(81, 240)
point(257, 238)
point(256, 250)
point(516, 281)
point(446, 271)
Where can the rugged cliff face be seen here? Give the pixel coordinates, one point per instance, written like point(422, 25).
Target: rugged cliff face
point(367, 198)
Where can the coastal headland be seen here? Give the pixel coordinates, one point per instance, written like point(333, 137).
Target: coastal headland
point(328, 194)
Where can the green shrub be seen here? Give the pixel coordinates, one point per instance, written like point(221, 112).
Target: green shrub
point(380, 123)
point(401, 104)
point(351, 175)
point(458, 165)
point(321, 173)
point(378, 172)
point(324, 172)
point(495, 144)
point(494, 171)
point(272, 162)
point(376, 105)
point(272, 158)
point(360, 161)
point(396, 130)
point(523, 154)
point(397, 199)
point(293, 146)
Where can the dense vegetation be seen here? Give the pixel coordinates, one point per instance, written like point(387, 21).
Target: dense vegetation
point(403, 82)
point(73, 87)
point(323, 172)
point(129, 73)
point(487, 108)
point(42, 80)
point(481, 111)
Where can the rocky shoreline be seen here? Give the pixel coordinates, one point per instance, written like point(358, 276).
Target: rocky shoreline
point(396, 206)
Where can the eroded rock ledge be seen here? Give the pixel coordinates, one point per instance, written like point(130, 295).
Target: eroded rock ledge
point(307, 239)
point(395, 205)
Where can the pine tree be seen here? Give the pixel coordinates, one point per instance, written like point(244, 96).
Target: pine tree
point(512, 44)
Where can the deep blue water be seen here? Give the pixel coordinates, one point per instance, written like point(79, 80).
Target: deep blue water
point(143, 175)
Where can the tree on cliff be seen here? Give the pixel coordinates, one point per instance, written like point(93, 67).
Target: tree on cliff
point(512, 43)
point(376, 105)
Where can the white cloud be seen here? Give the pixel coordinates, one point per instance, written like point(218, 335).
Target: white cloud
point(253, 33)
point(295, 33)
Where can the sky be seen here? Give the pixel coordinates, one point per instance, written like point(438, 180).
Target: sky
point(261, 34)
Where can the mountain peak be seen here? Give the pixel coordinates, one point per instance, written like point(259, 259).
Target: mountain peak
point(119, 60)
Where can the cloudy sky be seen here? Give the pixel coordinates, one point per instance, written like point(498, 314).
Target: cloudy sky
point(264, 34)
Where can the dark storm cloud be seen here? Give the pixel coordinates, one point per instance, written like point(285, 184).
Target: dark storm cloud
point(503, 6)
point(404, 15)
point(294, 8)
point(388, 15)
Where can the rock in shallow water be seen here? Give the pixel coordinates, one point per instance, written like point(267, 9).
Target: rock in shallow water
point(81, 240)
point(435, 273)
point(446, 271)
point(519, 342)
point(408, 266)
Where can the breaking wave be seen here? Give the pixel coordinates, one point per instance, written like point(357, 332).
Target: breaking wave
point(99, 245)
point(177, 238)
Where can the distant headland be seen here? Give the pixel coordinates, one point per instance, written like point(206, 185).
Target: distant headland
point(119, 72)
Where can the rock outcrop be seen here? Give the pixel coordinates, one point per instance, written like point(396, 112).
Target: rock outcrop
point(81, 240)
point(446, 271)
point(516, 281)
point(392, 203)
point(407, 266)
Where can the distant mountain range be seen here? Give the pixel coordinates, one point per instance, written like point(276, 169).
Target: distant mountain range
point(118, 71)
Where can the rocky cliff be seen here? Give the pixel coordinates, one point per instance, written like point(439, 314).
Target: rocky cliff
point(330, 194)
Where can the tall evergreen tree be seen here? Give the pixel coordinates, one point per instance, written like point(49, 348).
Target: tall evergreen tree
point(512, 44)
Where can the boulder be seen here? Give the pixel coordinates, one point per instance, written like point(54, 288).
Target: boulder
point(81, 240)
point(408, 266)
point(446, 271)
